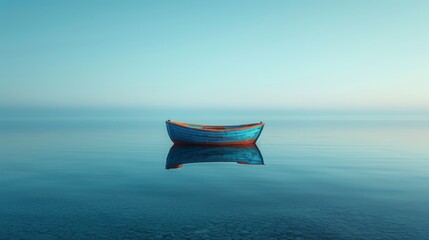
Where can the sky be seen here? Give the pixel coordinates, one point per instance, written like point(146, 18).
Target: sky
point(215, 54)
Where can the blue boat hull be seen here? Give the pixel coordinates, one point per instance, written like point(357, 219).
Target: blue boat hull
point(231, 135)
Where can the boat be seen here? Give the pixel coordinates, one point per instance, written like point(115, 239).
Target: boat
point(186, 154)
point(198, 134)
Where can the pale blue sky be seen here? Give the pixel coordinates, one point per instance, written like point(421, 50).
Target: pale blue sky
point(223, 54)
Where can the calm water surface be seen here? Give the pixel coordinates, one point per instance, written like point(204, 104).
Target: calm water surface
point(107, 179)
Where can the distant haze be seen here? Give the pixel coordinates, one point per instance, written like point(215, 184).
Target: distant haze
point(216, 54)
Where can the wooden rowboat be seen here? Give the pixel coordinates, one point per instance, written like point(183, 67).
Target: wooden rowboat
point(197, 134)
point(185, 154)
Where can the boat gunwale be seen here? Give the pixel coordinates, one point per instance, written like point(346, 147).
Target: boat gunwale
point(212, 127)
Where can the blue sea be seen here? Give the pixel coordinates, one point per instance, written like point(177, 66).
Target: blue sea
point(101, 174)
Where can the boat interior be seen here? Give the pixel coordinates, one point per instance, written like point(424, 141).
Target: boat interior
point(214, 127)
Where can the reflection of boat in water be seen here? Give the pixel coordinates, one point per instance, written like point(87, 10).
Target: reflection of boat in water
point(183, 154)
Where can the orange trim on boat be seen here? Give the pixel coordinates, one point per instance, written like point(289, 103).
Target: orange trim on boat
point(213, 128)
point(242, 143)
